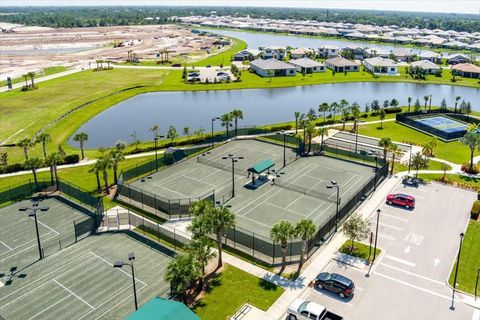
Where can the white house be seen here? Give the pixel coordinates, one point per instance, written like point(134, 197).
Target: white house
point(272, 68)
point(381, 66)
point(273, 52)
point(246, 55)
point(430, 56)
point(306, 65)
point(402, 54)
point(340, 64)
point(426, 65)
point(328, 51)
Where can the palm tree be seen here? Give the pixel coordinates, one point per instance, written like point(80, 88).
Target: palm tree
point(395, 151)
point(117, 155)
point(282, 232)
point(324, 107)
point(135, 139)
point(355, 109)
point(31, 75)
point(25, 144)
point(322, 131)
point(220, 219)
point(236, 114)
point(409, 103)
point(53, 160)
point(425, 99)
point(97, 168)
point(381, 115)
point(385, 143)
point(34, 164)
point(201, 250)
point(81, 138)
point(181, 272)
point(106, 162)
point(472, 140)
point(334, 108)
point(25, 76)
point(457, 98)
point(297, 115)
point(44, 138)
point(418, 161)
point(155, 129)
point(186, 132)
point(311, 132)
point(226, 120)
point(305, 229)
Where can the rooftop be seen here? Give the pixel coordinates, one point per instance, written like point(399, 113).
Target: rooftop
point(467, 67)
point(380, 62)
point(342, 62)
point(271, 64)
point(425, 64)
point(306, 63)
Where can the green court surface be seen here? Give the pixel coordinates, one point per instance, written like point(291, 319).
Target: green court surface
point(201, 175)
point(78, 281)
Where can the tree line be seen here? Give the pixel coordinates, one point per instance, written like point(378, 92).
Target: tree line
point(71, 17)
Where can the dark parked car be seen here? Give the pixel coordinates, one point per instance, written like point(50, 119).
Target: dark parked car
point(411, 181)
point(401, 199)
point(336, 283)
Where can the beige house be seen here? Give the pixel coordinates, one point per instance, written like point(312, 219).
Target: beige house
point(467, 70)
point(340, 64)
point(306, 65)
point(426, 65)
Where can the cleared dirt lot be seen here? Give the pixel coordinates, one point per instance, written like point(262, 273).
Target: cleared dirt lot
point(419, 247)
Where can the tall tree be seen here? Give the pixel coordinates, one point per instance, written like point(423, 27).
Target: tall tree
point(409, 103)
point(418, 162)
point(472, 140)
point(322, 131)
point(417, 106)
point(443, 104)
point(106, 163)
point(81, 138)
point(395, 151)
point(96, 168)
point(181, 272)
point(135, 139)
point(33, 164)
point(31, 75)
point(425, 99)
point(186, 132)
point(53, 160)
point(311, 132)
point(355, 110)
point(236, 115)
point(220, 219)
point(296, 115)
point(172, 134)
point(381, 115)
point(155, 129)
point(324, 108)
point(305, 229)
point(385, 143)
point(457, 98)
point(201, 250)
point(44, 138)
point(226, 120)
point(356, 229)
point(25, 144)
point(117, 155)
point(282, 232)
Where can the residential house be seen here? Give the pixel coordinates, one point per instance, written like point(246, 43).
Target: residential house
point(428, 66)
point(306, 65)
point(402, 54)
point(273, 52)
point(340, 64)
point(246, 55)
point(376, 52)
point(301, 53)
point(328, 51)
point(381, 66)
point(467, 70)
point(430, 56)
point(457, 58)
point(353, 52)
point(272, 68)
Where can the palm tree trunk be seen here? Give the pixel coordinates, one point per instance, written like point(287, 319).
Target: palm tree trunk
point(99, 187)
point(302, 255)
point(81, 149)
point(219, 244)
point(34, 172)
point(321, 143)
point(25, 150)
point(393, 163)
point(324, 117)
point(115, 174)
point(56, 174)
point(296, 125)
point(105, 179)
point(284, 257)
point(44, 151)
point(236, 126)
point(309, 144)
point(471, 159)
point(51, 175)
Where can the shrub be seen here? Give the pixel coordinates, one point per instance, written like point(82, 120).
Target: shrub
point(466, 168)
point(279, 127)
point(475, 210)
point(364, 115)
point(14, 167)
point(393, 110)
point(71, 158)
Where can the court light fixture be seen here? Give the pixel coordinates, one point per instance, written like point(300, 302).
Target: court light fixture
point(32, 213)
point(119, 264)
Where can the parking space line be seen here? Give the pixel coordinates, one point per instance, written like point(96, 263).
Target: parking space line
point(412, 274)
point(387, 237)
point(394, 217)
point(390, 226)
point(476, 314)
point(413, 286)
point(408, 263)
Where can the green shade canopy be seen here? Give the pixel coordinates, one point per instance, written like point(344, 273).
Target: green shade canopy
point(261, 166)
point(163, 309)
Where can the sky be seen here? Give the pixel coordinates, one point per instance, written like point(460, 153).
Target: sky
point(448, 6)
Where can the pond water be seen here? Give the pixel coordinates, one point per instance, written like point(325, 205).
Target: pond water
point(194, 109)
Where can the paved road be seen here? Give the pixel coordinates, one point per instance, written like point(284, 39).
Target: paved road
point(419, 247)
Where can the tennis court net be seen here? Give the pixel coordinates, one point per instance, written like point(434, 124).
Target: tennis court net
point(227, 166)
point(310, 192)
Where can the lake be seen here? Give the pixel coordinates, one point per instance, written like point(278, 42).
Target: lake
point(194, 109)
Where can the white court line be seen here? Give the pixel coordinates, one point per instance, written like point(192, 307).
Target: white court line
point(394, 217)
point(408, 263)
point(413, 274)
point(17, 252)
point(173, 191)
point(414, 286)
point(138, 280)
point(43, 224)
point(138, 290)
point(387, 236)
point(288, 210)
point(49, 307)
point(73, 294)
point(4, 244)
point(390, 226)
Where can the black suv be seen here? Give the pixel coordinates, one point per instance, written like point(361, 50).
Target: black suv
point(336, 283)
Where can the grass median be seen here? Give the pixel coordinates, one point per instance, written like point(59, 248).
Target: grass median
point(360, 250)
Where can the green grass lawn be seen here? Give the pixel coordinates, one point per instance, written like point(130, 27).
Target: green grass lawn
point(45, 72)
point(432, 165)
point(472, 182)
point(454, 151)
point(231, 289)
point(360, 250)
point(469, 259)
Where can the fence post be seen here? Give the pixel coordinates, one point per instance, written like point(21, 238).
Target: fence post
point(234, 238)
point(253, 245)
point(155, 201)
point(75, 230)
point(143, 224)
point(158, 232)
point(174, 239)
point(141, 197)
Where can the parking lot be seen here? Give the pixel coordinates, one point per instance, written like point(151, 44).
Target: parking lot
point(419, 247)
point(212, 74)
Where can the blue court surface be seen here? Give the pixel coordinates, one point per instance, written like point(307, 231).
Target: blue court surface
point(443, 123)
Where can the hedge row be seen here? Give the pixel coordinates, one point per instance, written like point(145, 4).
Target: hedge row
point(14, 167)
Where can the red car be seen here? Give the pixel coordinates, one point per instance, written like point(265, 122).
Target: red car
point(401, 199)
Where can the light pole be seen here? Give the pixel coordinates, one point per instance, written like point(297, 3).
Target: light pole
point(120, 264)
point(376, 236)
point(375, 154)
point(33, 213)
point(213, 120)
point(156, 155)
point(356, 135)
point(234, 160)
point(284, 147)
point(333, 184)
point(456, 270)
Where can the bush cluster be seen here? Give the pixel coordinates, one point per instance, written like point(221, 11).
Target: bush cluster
point(466, 168)
point(474, 213)
point(14, 167)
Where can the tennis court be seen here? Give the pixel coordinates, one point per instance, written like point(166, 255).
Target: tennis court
point(78, 281)
point(443, 123)
point(366, 141)
point(198, 177)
